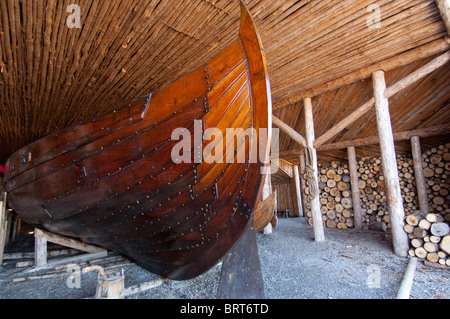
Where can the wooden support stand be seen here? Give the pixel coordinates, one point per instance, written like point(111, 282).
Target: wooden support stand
point(40, 257)
point(392, 183)
point(266, 192)
point(353, 168)
point(2, 224)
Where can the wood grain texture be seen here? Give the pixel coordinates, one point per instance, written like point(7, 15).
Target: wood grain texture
point(53, 76)
point(388, 156)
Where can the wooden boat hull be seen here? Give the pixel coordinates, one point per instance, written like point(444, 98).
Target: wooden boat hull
point(113, 182)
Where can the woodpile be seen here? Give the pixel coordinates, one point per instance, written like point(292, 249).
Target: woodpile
point(336, 196)
point(436, 169)
point(429, 237)
point(374, 210)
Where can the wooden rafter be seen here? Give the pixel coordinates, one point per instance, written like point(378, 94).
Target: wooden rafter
point(297, 137)
point(422, 52)
point(399, 136)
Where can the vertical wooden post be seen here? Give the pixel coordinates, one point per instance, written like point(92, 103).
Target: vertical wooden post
point(40, 248)
point(2, 224)
point(388, 157)
point(16, 228)
point(418, 173)
point(294, 210)
point(355, 187)
point(298, 191)
point(315, 203)
point(303, 183)
point(266, 192)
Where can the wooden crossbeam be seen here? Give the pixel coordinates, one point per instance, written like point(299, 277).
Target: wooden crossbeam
point(297, 137)
point(390, 91)
point(298, 191)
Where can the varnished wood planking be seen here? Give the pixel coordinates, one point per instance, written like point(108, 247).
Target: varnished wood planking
point(424, 104)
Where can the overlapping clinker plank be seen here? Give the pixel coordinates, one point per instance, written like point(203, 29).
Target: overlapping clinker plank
point(111, 163)
point(66, 140)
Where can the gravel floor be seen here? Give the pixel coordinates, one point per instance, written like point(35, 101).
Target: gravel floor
point(349, 265)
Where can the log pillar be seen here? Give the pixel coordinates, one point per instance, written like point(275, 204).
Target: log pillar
point(444, 10)
point(319, 234)
point(418, 173)
point(241, 275)
point(353, 168)
point(388, 157)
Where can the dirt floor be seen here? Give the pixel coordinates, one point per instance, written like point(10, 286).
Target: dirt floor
point(348, 265)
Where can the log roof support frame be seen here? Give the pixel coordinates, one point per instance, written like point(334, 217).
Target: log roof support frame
point(425, 51)
point(372, 140)
point(390, 91)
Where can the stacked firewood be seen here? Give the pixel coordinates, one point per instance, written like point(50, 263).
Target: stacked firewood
point(335, 195)
point(429, 237)
point(436, 169)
